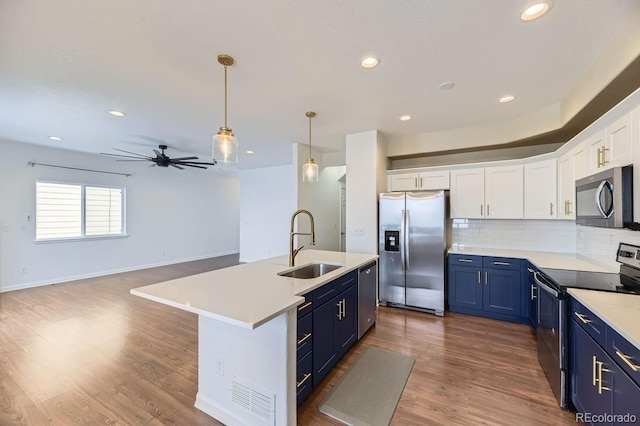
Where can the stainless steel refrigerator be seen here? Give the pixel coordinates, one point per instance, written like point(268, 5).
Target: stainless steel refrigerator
point(412, 244)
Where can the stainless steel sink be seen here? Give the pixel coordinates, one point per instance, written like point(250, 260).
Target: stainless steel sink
point(311, 270)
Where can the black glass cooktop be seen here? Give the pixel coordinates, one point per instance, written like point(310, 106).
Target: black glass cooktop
point(591, 280)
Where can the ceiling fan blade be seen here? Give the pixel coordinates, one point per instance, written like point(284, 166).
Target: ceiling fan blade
point(127, 156)
point(128, 152)
point(137, 159)
point(197, 162)
point(191, 165)
point(176, 166)
point(184, 158)
point(157, 153)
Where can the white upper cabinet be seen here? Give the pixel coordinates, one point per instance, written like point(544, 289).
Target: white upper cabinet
point(492, 192)
point(503, 192)
point(540, 189)
point(579, 160)
point(611, 147)
point(419, 181)
point(467, 193)
point(566, 187)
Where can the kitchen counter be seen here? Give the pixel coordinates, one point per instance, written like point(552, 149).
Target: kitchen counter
point(619, 311)
point(541, 259)
point(247, 325)
point(250, 294)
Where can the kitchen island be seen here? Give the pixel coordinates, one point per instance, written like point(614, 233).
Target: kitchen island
point(247, 332)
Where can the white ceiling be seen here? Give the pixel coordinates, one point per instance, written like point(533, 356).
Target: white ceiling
point(64, 63)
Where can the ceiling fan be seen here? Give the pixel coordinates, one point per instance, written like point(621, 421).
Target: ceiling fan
point(162, 160)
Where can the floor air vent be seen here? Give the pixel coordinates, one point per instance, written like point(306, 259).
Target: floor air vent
point(258, 401)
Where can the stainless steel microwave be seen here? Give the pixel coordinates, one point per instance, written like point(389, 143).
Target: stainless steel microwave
point(606, 199)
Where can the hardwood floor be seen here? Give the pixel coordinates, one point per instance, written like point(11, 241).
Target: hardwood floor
point(88, 352)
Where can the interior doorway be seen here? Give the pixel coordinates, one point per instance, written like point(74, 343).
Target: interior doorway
point(343, 213)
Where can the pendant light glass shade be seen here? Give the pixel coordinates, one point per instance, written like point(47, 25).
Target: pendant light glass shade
point(225, 144)
point(310, 168)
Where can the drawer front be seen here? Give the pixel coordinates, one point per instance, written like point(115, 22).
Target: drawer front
point(501, 263)
point(346, 281)
point(304, 381)
point(626, 355)
point(305, 326)
point(465, 260)
point(324, 294)
point(590, 322)
point(307, 306)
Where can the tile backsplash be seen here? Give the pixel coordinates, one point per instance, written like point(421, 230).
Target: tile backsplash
point(599, 244)
point(537, 235)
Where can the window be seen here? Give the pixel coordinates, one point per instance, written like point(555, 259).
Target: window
point(66, 211)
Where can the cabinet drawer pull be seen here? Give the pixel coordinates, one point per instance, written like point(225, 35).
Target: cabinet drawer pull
point(502, 263)
point(533, 296)
point(306, 305)
point(306, 336)
point(582, 318)
point(626, 360)
point(306, 377)
point(530, 270)
point(465, 260)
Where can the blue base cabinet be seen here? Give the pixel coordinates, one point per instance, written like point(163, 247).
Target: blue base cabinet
point(327, 328)
point(486, 286)
point(600, 388)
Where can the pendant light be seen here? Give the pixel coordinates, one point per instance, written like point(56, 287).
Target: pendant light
point(225, 144)
point(310, 168)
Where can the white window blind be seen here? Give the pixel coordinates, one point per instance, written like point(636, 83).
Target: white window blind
point(66, 211)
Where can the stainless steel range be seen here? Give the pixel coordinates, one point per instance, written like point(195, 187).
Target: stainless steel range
point(552, 309)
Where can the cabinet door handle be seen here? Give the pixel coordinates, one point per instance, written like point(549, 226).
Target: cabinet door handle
point(550, 209)
point(570, 209)
point(487, 209)
point(306, 305)
point(626, 359)
point(533, 296)
point(486, 277)
point(306, 377)
point(416, 182)
point(480, 209)
point(582, 318)
point(502, 263)
point(600, 370)
point(479, 279)
point(306, 336)
point(344, 308)
point(339, 304)
point(530, 270)
point(599, 161)
point(604, 155)
point(593, 369)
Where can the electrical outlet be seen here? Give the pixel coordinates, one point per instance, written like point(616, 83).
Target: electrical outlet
point(23, 270)
point(220, 367)
point(358, 231)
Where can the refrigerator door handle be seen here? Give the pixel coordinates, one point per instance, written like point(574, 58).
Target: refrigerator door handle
point(402, 238)
point(406, 238)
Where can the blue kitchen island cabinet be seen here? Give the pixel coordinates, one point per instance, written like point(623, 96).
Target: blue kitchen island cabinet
point(486, 286)
point(601, 391)
point(335, 325)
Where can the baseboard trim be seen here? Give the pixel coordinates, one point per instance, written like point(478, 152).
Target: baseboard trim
point(110, 272)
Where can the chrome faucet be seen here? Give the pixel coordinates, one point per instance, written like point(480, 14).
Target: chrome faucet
point(292, 252)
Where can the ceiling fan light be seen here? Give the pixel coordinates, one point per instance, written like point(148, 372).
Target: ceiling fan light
point(310, 171)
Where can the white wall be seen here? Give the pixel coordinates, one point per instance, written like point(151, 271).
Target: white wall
point(321, 198)
point(366, 178)
point(267, 200)
point(172, 216)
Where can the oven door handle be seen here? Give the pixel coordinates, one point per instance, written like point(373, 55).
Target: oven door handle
point(544, 286)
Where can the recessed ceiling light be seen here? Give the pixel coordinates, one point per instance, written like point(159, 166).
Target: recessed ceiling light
point(505, 99)
point(536, 10)
point(249, 152)
point(369, 62)
point(55, 138)
point(446, 85)
point(116, 113)
point(406, 117)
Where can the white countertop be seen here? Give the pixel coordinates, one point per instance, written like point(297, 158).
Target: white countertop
point(541, 259)
point(620, 311)
point(250, 294)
